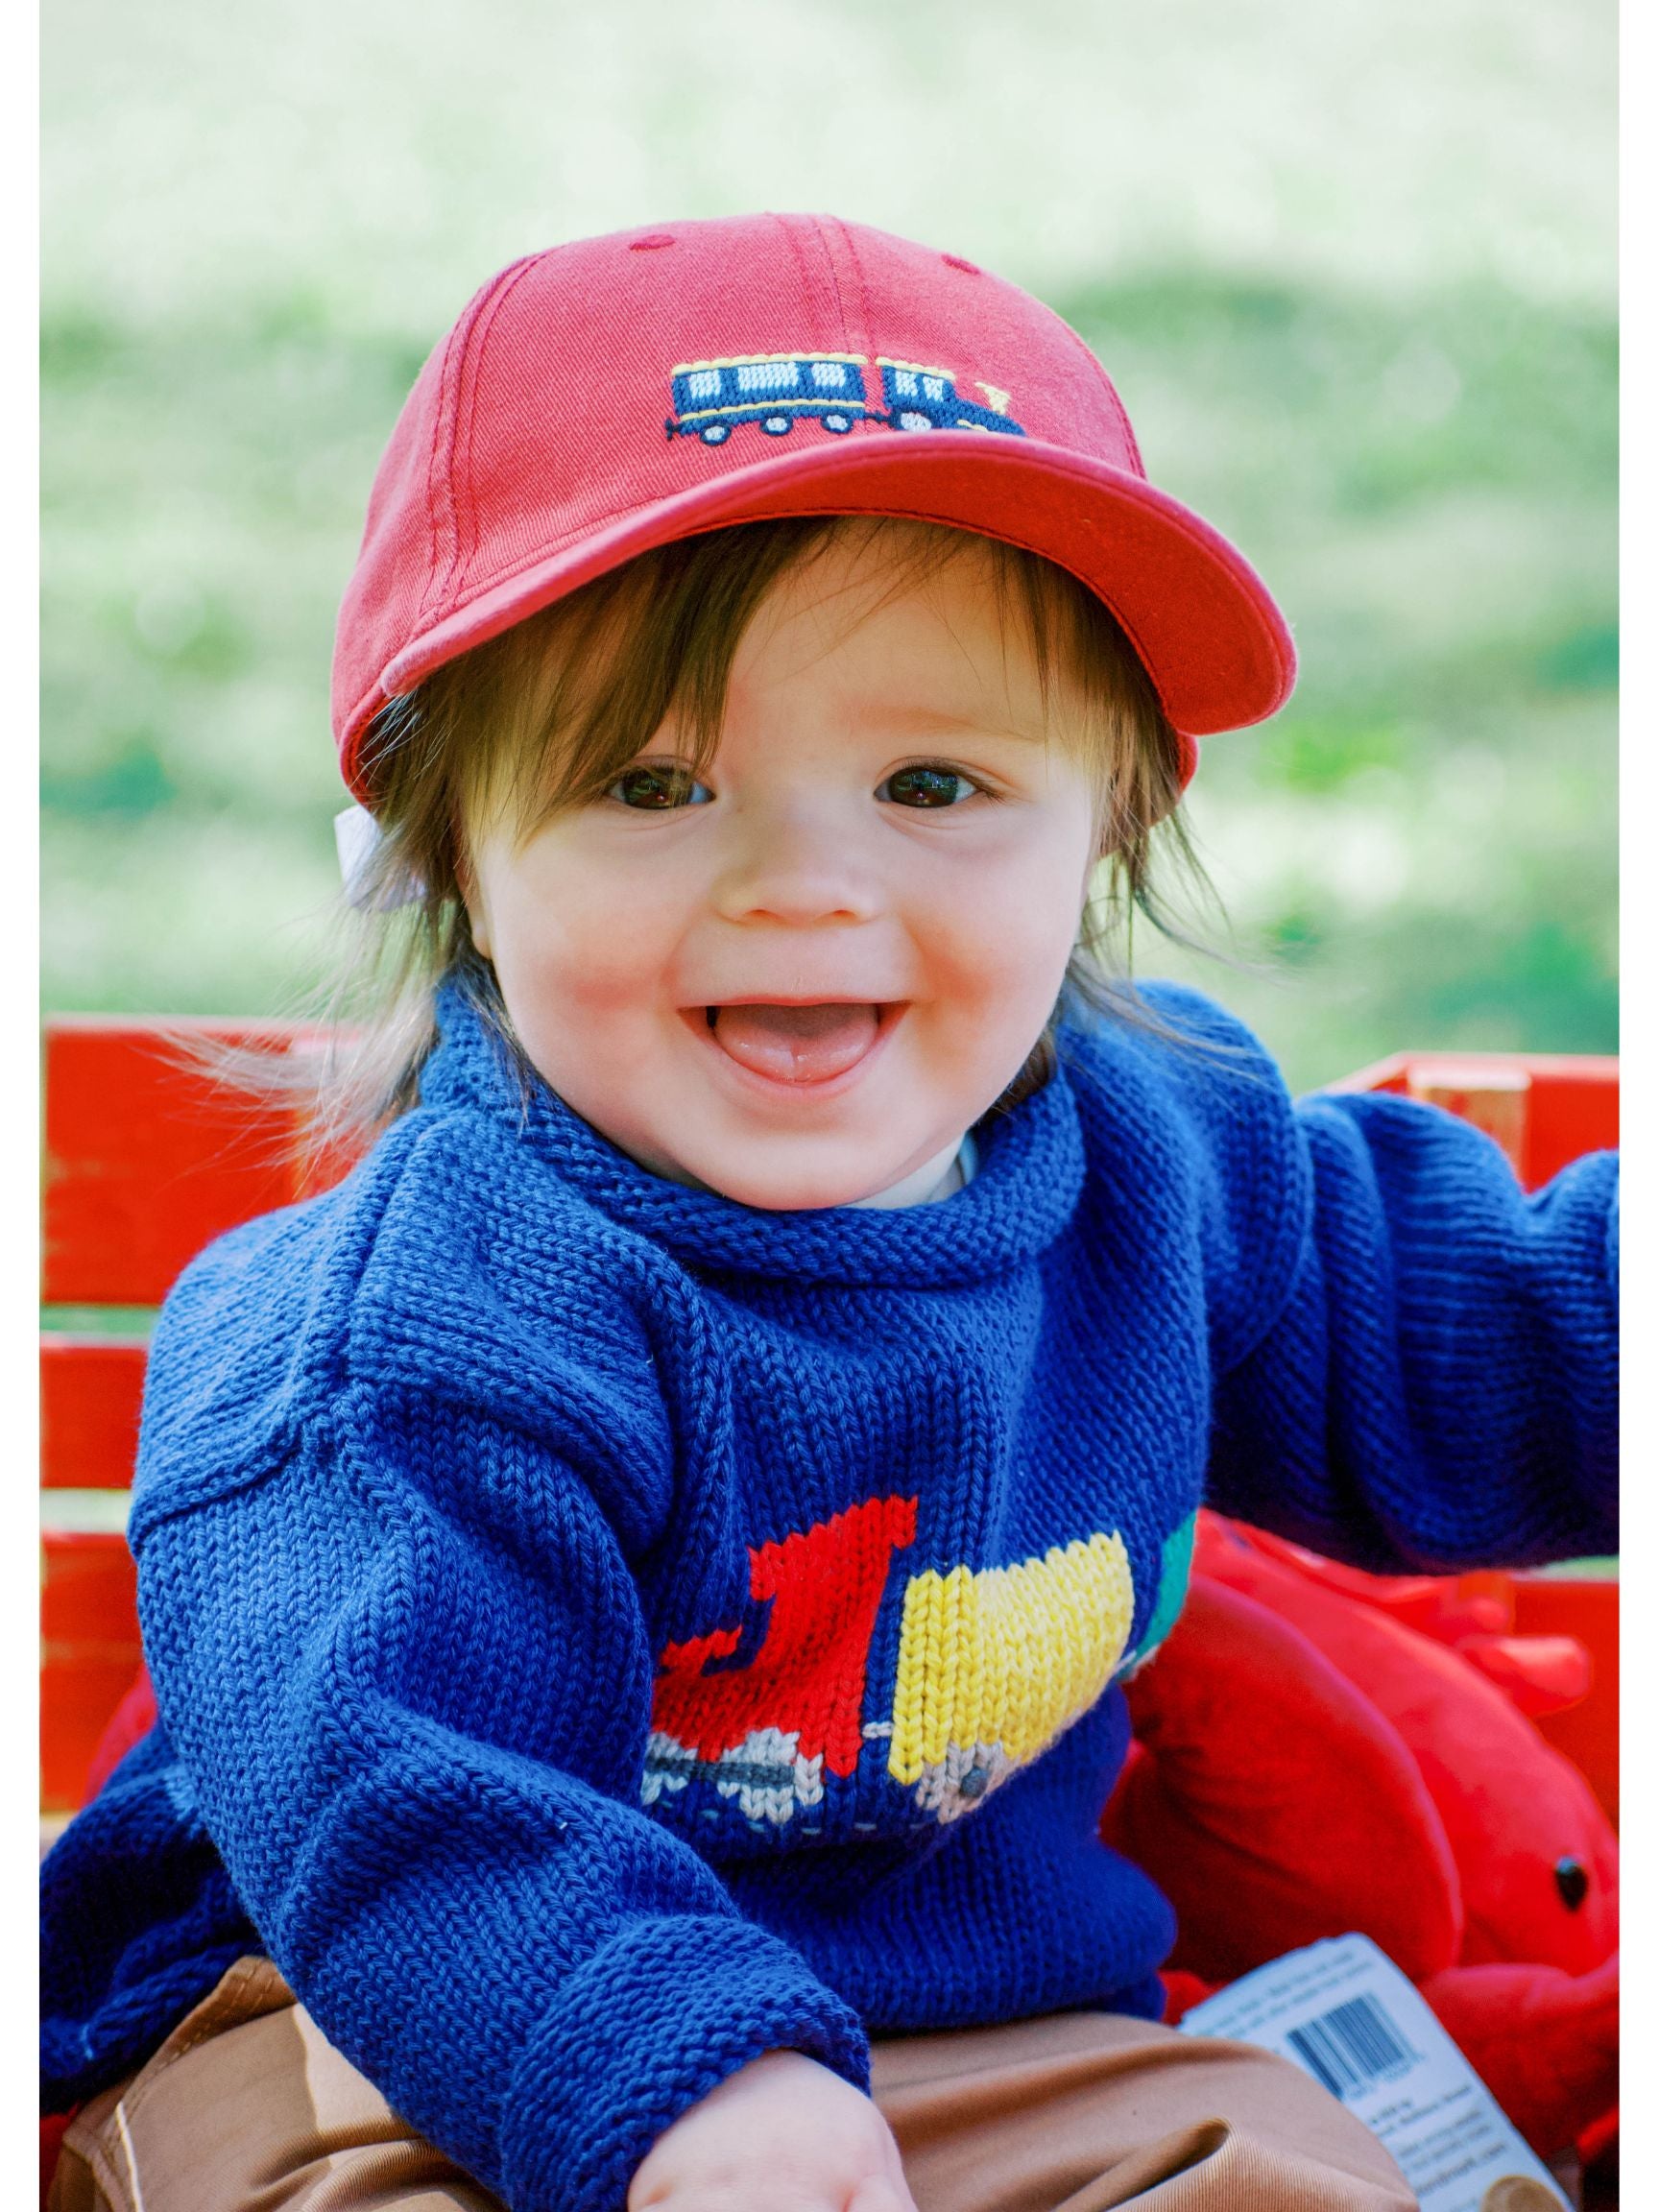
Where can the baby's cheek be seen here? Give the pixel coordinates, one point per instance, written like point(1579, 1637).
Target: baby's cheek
point(587, 956)
point(574, 994)
point(1005, 948)
point(996, 991)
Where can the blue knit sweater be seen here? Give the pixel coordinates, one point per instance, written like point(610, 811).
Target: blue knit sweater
point(601, 1634)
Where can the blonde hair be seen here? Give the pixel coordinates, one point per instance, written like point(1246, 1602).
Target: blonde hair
point(547, 715)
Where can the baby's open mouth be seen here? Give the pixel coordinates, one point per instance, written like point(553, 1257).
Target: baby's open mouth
point(796, 1043)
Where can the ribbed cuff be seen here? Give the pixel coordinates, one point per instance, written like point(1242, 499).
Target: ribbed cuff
point(653, 2022)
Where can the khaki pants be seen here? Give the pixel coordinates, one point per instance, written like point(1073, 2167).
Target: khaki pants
point(247, 2108)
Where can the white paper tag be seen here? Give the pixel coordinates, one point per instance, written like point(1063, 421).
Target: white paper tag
point(1345, 2013)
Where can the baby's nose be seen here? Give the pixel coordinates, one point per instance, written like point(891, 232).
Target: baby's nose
point(796, 868)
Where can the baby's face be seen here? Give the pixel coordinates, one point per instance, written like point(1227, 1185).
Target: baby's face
point(802, 976)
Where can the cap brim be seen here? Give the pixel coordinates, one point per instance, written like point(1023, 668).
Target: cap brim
point(1217, 647)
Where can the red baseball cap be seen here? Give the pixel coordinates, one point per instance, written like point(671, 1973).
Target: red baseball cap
point(614, 395)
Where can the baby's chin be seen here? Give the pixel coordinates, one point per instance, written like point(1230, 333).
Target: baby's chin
point(783, 1178)
point(798, 1194)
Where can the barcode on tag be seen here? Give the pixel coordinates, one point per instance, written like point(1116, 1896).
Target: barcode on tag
point(1348, 2017)
point(1351, 2047)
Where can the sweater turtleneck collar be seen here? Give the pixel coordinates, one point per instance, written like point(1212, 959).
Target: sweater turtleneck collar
point(1026, 1190)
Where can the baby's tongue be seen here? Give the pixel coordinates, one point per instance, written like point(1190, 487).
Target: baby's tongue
point(795, 1044)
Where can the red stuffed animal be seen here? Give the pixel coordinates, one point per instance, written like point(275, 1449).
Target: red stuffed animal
point(1318, 1751)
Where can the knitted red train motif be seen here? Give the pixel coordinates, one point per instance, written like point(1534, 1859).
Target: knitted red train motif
point(765, 1725)
point(993, 1664)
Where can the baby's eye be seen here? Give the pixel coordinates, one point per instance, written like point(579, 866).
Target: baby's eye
point(659, 784)
point(925, 787)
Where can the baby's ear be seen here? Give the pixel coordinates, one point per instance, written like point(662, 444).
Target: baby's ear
point(472, 900)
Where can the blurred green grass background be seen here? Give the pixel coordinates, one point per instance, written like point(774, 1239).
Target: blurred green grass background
point(1351, 270)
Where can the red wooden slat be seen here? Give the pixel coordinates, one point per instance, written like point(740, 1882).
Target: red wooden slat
point(1575, 1109)
point(89, 1653)
point(91, 1388)
point(1497, 1098)
point(89, 1599)
point(149, 1158)
point(1545, 1108)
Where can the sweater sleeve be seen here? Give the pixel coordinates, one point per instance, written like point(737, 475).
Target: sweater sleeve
point(407, 1672)
point(1438, 1388)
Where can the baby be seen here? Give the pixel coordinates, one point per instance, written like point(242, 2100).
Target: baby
point(636, 1578)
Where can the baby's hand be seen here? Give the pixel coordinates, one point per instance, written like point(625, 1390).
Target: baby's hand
point(782, 2134)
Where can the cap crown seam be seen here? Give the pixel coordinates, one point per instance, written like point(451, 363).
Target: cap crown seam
point(797, 256)
point(866, 312)
point(439, 479)
point(439, 491)
point(467, 406)
point(821, 226)
point(440, 474)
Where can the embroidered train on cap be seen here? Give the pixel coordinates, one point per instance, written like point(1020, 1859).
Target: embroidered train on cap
point(777, 391)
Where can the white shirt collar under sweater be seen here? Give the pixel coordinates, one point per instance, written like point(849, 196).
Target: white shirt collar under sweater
point(941, 1177)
